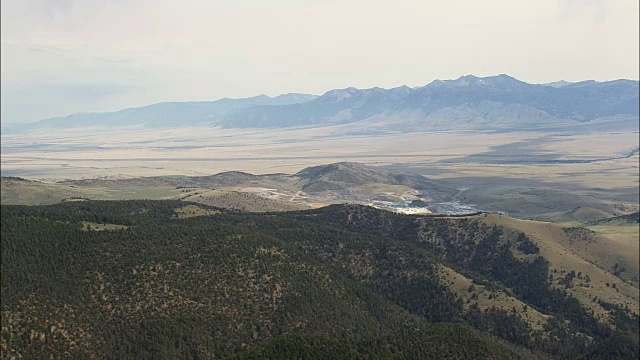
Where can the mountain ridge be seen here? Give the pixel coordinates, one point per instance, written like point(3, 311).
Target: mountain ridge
point(165, 114)
point(499, 102)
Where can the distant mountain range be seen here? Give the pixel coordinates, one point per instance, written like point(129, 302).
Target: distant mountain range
point(467, 103)
point(166, 114)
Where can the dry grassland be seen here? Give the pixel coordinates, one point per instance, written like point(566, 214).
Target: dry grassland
point(244, 201)
point(485, 298)
point(553, 243)
point(205, 151)
point(93, 226)
point(188, 211)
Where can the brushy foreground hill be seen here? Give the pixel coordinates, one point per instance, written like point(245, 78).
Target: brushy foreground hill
point(140, 280)
point(633, 218)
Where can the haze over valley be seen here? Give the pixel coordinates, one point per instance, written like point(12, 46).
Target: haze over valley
point(497, 144)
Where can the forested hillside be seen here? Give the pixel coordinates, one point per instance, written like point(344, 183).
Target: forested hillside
point(156, 280)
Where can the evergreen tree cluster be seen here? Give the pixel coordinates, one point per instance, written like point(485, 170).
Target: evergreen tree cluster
point(337, 282)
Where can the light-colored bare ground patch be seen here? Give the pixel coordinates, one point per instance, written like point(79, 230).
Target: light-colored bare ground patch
point(93, 226)
point(292, 195)
point(398, 192)
point(193, 211)
point(244, 201)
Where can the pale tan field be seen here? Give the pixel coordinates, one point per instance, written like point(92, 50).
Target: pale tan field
point(193, 211)
point(592, 145)
point(620, 173)
point(92, 226)
point(44, 193)
point(205, 151)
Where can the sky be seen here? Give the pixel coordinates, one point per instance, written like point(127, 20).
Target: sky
point(60, 57)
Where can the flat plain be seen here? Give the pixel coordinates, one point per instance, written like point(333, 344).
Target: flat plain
point(555, 176)
point(91, 153)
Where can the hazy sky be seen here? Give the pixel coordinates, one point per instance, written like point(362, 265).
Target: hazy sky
point(65, 56)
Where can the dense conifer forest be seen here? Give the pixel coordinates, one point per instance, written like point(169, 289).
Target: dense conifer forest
point(133, 280)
